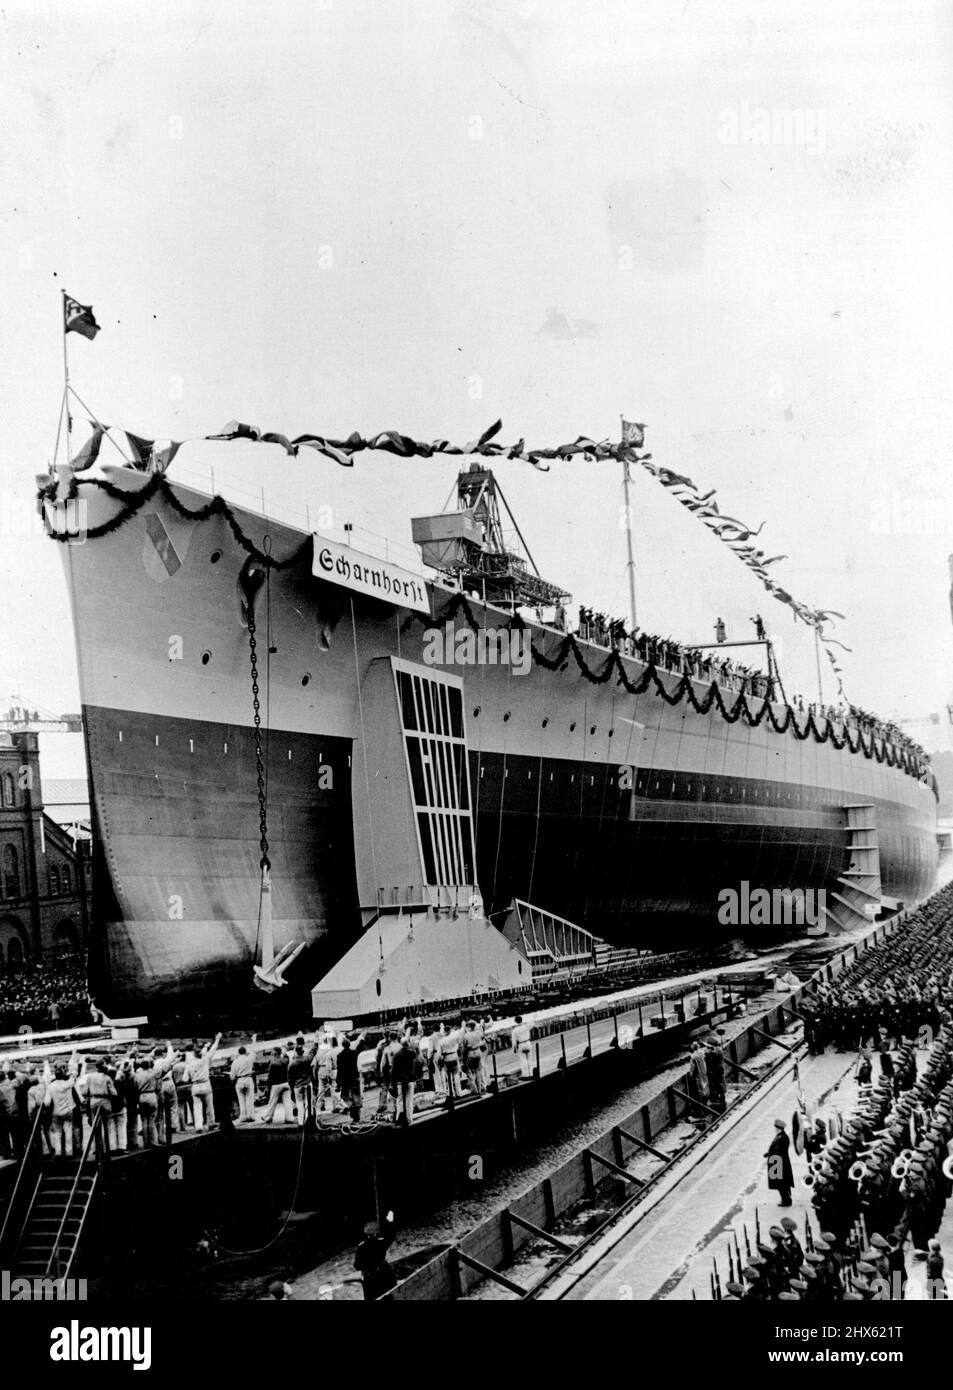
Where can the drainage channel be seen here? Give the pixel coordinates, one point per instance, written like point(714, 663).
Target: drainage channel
point(565, 1215)
point(627, 1147)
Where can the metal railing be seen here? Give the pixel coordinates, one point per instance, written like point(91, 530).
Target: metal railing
point(300, 515)
point(11, 1228)
point(97, 1137)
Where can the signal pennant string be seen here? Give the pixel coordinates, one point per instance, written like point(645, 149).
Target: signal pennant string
point(154, 457)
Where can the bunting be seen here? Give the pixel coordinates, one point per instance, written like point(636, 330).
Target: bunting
point(163, 452)
point(89, 453)
point(152, 455)
point(837, 671)
point(736, 534)
point(556, 659)
point(148, 454)
point(342, 451)
point(141, 450)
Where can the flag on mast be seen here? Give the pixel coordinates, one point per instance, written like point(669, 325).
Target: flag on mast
point(633, 434)
point(78, 318)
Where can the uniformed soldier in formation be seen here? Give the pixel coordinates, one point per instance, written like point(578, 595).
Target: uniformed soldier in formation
point(883, 1174)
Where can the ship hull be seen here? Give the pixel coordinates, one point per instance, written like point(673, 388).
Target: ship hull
point(621, 813)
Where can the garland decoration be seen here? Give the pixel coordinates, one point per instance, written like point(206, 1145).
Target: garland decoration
point(159, 486)
point(152, 456)
point(155, 456)
point(152, 459)
point(568, 647)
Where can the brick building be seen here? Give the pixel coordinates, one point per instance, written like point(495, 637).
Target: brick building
point(44, 871)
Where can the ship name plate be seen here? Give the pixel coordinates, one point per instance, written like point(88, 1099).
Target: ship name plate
point(342, 564)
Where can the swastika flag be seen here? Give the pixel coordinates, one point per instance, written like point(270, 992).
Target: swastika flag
point(78, 318)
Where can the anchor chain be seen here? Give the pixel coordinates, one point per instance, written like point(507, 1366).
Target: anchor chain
point(259, 757)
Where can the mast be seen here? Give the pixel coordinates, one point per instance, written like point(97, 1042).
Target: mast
point(65, 376)
point(817, 658)
point(628, 540)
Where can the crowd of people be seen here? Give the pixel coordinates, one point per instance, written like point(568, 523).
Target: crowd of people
point(147, 1096)
point(706, 1076)
point(892, 990)
point(45, 996)
point(828, 1268)
point(885, 729)
point(881, 1183)
point(709, 665)
point(670, 655)
point(142, 1098)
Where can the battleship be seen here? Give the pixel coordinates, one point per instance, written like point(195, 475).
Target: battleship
point(293, 783)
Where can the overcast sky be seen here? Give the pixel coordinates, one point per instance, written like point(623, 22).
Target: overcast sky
point(731, 222)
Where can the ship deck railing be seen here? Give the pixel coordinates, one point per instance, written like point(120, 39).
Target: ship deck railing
point(304, 517)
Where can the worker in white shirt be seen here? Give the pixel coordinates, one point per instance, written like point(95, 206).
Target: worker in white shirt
point(63, 1099)
point(36, 1100)
point(163, 1064)
point(147, 1086)
point(521, 1042)
point(184, 1108)
point(439, 1067)
point(97, 1089)
point(242, 1072)
point(474, 1047)
point(450, 1052)
point(199, 1064)
point(324, 1066)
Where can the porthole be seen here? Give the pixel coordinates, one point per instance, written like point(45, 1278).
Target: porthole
point(476, 712)
point(215, 556)
point(545, 721)
point(306, 678)
point(506, 716)
point(572, 727)
point(206, 658)
point(592, 729)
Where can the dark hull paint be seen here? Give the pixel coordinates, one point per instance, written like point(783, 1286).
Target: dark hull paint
point(623, 865)
point(175, 799)
point(177, 806)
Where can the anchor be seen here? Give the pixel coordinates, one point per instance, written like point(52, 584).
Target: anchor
point(270, 974)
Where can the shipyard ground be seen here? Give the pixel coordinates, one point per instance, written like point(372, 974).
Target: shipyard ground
point(334, 1278)
point(696, 1204)
point(672, 1250)
point(646, 1006)
point(257, 1238)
